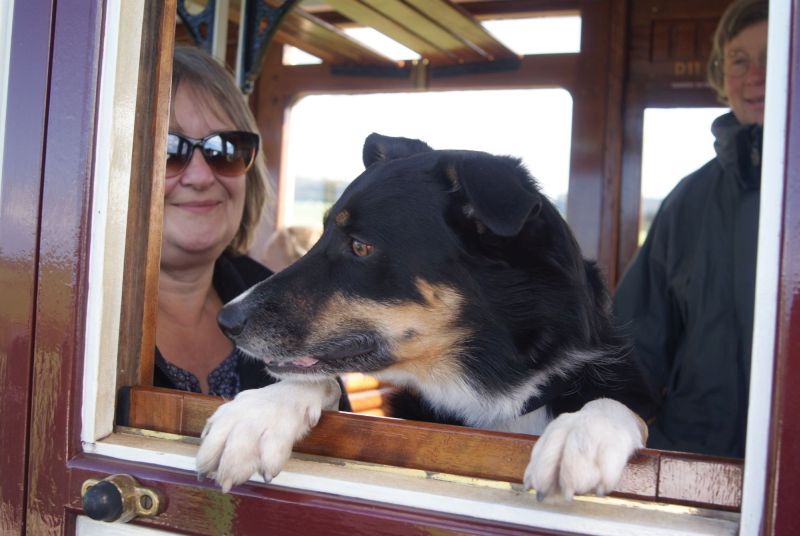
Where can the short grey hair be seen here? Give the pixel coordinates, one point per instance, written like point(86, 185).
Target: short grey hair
point(738, 16)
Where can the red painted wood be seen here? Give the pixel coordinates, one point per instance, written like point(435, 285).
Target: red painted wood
point(55, 335)
point(56, 466)
point(19, 226)
point(784, 490)
point(63, 255)
point(200, 508)
point(586, 194)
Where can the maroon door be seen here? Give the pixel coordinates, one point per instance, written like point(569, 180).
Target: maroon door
point(45, 222)
point(45, 214)
point(21, 186)
point(783, 493)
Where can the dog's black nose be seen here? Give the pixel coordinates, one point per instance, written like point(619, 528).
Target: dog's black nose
point(232, 320)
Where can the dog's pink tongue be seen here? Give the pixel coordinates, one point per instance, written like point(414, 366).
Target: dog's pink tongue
point(305, 361)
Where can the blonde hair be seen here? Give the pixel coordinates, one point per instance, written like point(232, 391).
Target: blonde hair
point(738, 16)
point(216, 87)
point(288, 244)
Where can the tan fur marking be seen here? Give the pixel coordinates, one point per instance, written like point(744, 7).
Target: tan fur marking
point(342, 218)
point(428, 355)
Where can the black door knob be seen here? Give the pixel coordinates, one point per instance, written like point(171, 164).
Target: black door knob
point(119, 498)
point(103, 502)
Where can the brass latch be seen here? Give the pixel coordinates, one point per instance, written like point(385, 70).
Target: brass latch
point(119, 498)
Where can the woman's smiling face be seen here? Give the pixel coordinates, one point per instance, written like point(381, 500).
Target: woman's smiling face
point(202, 211)
point(744, 72)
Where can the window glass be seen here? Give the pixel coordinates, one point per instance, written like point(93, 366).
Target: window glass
point(385, 45)
point(675, 142)
point(327, 132)
point(538, 35)
point(295, 56)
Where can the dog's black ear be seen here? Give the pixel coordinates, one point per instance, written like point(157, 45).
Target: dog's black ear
point(378, 147)
point(500, 191)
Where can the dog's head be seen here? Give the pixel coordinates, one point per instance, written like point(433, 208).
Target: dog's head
point(428, 255)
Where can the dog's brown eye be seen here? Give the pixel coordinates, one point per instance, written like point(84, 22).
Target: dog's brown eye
point(360, 248)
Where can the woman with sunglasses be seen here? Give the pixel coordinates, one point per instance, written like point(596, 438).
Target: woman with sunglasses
point(216, 185)
point(688, 296)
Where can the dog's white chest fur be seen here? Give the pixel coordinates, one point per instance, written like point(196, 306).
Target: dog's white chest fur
point(532, 423)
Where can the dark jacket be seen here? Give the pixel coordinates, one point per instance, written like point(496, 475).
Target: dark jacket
point(687, 298)
point(232, 276)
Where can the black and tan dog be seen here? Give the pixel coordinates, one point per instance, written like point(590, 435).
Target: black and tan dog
point(446, 272)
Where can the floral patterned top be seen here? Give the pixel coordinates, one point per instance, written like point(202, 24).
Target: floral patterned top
point(222, 381)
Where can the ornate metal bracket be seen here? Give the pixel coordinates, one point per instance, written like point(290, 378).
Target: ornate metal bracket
point(201, 25)
point(260, 21)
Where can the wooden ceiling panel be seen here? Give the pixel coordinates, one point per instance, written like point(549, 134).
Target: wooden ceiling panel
point(325, 41)
point(417, 22)
point(462, 24)
point(366, 16)
point(439, 31)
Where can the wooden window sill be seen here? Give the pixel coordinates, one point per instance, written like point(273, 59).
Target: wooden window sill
point(653, 476)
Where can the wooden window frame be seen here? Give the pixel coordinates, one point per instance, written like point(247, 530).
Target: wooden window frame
point(649, 476)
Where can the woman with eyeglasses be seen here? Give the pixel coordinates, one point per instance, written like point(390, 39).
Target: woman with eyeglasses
point(216, 185)
point(687, 298)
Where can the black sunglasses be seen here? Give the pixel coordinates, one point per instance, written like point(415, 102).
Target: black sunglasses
point(228, 154)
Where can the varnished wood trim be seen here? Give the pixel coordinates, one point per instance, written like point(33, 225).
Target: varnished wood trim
point(368, 16)
point(609, 214)
point(464, 26)
point(369, 399)
point(651, 475)
point(200, 508)
point(143, 244)
point(355, 382)
point(25, 132)
point(326, 41)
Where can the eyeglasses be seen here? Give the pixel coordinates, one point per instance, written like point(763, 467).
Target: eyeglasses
point(738, 64)
point(228, 154)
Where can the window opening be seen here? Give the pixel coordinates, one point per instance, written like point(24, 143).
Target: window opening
point(385, 45)
point(527, 136)
point(295, 56)
point(323, 157)
point(538, 35)
point(675, 142)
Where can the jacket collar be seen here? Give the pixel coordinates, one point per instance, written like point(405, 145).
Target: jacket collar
point(738, 149)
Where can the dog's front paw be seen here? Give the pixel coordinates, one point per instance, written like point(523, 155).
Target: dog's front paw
point(255, 432)
point(586, 451)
